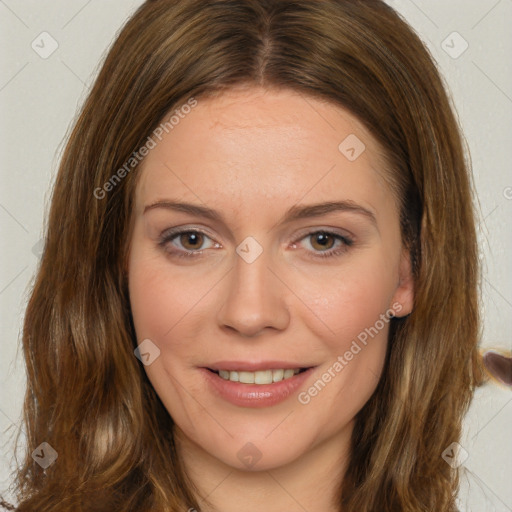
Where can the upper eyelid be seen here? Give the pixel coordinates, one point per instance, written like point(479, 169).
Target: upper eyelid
point(173, 232)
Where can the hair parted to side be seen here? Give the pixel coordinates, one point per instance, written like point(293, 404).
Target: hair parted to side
point(89, 397)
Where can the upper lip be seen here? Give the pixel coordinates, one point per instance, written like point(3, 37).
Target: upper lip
point(254, 366)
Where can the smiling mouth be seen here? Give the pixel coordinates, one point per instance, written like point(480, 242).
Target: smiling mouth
point(260, 376)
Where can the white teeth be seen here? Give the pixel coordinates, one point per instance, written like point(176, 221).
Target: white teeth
point(288, 373)
point(246, 377)
point(277, 375)
point(263, 377)
point(259, 377)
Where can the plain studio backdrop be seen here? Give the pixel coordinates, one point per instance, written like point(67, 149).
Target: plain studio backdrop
point(43, 84)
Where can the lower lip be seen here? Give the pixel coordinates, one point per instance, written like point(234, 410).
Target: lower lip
point(254, 395)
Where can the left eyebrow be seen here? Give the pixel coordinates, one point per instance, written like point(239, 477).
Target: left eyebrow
point(294, 213)
point(320, 209)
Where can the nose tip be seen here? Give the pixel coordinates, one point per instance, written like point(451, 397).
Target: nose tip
point(248, 329)
point(255, 300)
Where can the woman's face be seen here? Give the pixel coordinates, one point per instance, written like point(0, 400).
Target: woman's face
point(287, 258)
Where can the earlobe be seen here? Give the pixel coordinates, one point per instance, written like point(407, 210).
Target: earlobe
point(403, 299)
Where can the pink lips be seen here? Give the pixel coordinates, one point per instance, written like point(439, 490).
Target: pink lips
point(253, 395)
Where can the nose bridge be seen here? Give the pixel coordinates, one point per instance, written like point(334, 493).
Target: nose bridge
point(254, 299)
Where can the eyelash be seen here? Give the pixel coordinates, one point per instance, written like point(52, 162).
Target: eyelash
point(171, 235)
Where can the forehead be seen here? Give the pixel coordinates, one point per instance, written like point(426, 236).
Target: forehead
point(248, 146)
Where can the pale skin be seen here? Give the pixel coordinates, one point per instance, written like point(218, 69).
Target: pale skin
point(251, 155)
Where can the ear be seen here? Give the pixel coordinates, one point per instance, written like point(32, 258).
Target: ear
point(403, 298)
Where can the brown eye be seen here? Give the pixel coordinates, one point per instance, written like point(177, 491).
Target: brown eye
point(326, 244)
point(322, 241)
point(191, 240)
point(186, 242)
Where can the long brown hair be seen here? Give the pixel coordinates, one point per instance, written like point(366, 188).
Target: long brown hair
point(88, 397)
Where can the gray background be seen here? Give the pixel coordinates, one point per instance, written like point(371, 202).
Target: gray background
point(39, 98)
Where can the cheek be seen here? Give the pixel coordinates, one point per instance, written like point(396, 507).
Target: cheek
point(354, 309)
point(160, 301)
point(172, 309)
point(150, 304)
point(356, 297)
point(162, 307)
point(160, 314)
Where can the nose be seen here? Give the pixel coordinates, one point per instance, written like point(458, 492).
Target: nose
point(255, 298)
